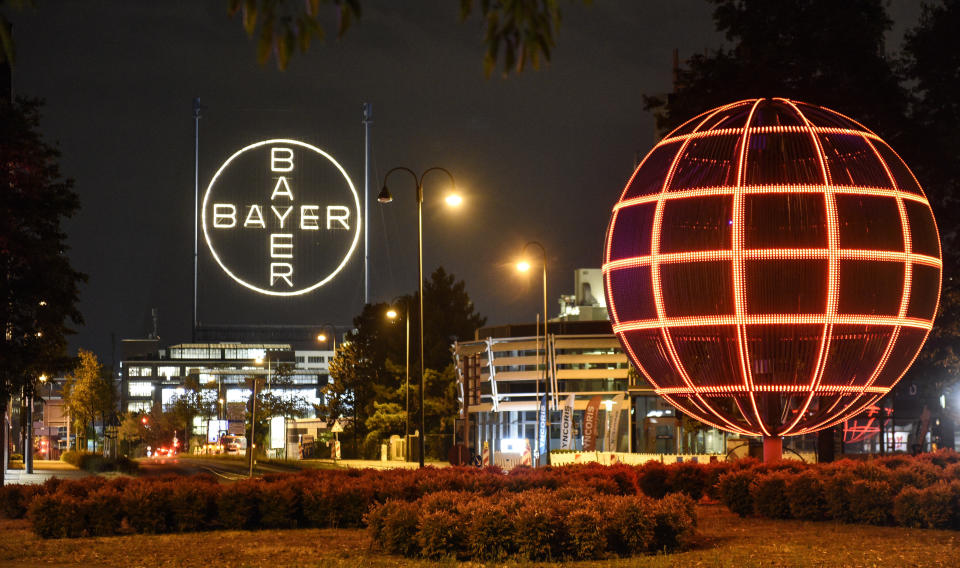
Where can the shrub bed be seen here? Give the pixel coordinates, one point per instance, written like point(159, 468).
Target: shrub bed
point(311, 498)
point(924, 490)
point(537, 525)
point(508, 515)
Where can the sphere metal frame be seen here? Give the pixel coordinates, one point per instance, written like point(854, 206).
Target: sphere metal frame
point(772, 268)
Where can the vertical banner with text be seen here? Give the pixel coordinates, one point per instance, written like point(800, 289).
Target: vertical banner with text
point(566, 424)
point(590, 424)
point(542, 425)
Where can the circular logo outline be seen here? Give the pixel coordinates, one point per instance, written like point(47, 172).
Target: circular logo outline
point(346, 257)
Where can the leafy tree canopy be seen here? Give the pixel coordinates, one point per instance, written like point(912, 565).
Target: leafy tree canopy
point(818, 51)
point(88, 392)
point(931, 64)
point(449, 316)
point(368, 385)
point(517, 33)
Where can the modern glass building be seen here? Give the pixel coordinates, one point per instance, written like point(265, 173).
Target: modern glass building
point(507, 369)
point(150, 375)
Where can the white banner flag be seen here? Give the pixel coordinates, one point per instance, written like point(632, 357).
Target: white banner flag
point(566, 425)
point(613, 436)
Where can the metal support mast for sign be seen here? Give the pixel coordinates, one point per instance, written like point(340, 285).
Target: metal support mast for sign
point(367, 119)
point(196, 207)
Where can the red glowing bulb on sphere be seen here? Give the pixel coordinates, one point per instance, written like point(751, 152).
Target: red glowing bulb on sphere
point(772, 267)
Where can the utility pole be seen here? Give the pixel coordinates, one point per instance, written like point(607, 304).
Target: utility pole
point(196, 208)
point(367, 120)
point(253, 422)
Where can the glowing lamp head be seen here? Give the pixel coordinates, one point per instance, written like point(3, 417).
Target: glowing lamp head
point(453, 199)
point(321, 337)
point(523, 266)
point(392, 314)
point(772, 267)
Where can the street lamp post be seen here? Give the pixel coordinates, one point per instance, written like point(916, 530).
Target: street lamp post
point(452, 200)
point(392, 314)
point(523, 266)
point(322, 337)
point(28, 391)
point(46, 410)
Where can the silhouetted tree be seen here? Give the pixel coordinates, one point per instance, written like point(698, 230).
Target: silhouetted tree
point(367, 373)
point(817, 51)
point(931, 65)
point(38, 287)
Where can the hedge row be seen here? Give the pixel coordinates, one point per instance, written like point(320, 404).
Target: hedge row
point(921, 490)
point(545, 525)
point(913, 492)
point(316, 498)
point(653, 479)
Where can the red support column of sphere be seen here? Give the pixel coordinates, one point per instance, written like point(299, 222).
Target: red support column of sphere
point(772, 448)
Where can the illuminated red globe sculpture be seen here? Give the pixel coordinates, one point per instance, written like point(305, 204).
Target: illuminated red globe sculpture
point(772, 268)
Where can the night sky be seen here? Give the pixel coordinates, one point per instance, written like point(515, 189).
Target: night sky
point(538, 156)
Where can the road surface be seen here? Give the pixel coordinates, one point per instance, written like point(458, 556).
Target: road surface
point(225, 468)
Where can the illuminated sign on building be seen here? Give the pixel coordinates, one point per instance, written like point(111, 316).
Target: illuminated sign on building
point(281, 217)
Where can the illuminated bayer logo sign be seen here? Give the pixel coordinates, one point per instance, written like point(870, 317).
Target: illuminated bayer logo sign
point(281, 217)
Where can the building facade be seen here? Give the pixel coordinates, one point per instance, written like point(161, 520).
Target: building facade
point(502, 379)
point(151, 376)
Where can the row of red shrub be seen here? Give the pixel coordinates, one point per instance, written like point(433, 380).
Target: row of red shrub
point(914, 492)
point(324, 498)
point(561, 524)
point(340, 498)
point(653, 479)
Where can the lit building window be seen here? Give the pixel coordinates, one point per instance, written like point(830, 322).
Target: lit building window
point(138, 407)
point(140, 388)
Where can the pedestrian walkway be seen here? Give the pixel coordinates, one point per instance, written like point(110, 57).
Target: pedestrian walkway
point(42, 471)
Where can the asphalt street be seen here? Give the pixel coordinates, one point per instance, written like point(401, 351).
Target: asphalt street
point(227, 469)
